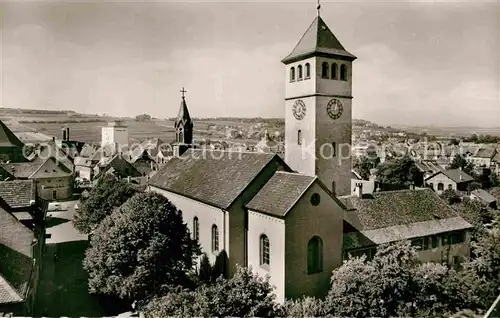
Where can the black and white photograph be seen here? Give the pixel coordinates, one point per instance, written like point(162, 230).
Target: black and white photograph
point(287, 158)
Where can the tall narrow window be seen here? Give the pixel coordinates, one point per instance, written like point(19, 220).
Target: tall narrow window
point(215, 238)
point(308, 70)
point(181, 136)
point(334, 71)
point(299, 137)
point(196, 229)
point(315, 255)
point(324, 70)
point(440, 186)
point(264, 250)
point(292, 74)
point(299, 72)
point(334, 149)
point(343, 72)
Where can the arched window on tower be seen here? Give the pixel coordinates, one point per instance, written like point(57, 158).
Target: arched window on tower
point(181, 136)
point(299, 137)
point(324, 70)
point(215, 238)
point(299, 72)
point(343, 72)
point(292, 74)
point(308, 71)
point(265, 254)
point(315, 255)
point(335, 71)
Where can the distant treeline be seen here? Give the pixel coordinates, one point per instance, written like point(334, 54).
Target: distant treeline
point(35, 111)
point(64, 121)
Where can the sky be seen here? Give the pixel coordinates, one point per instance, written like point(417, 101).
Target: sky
point(419, 62)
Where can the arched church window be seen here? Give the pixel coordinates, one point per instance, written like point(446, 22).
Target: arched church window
point(196, 228)
point(292, 74)
point(324, 70)
point(308, 70)
point(299, 72)
point(180, 136)
point(265, 254)
point(335, 71)
point(315, 255)
point(299, 137)
point(215, 238)
point(343, 72)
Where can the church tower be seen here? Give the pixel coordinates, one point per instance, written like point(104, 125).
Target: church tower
point(183, 128)
point(318, 108)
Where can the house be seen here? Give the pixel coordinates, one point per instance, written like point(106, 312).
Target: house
point(11, 148)
point(21, 240)
point(454, 179)
point(53, 180)
point(483, 157)
point(116, 165)
point(484, 197)
point(418, 215)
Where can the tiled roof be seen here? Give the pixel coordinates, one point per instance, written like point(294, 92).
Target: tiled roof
point(213, 177)
point(403, 232)
point(392, 208)
point(22, 170)
point(487, 153)
point(280, 193)
point(117, 164)
point(17, 193)
point(16, 262)
point(88, 150)
point(7, 137)
point(496, 157)
point(457, 175)
point(483, 195)
point(318, 39)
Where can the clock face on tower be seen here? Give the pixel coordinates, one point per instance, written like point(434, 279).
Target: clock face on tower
point(299, 109)
point(334, 108)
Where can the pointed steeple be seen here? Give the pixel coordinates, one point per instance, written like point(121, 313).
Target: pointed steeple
point(318, 40)
point(183, 124)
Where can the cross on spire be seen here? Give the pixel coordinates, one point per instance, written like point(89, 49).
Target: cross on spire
point(183, 91)
point(318, 7)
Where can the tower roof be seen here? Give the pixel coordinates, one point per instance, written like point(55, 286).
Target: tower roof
point(318, 40)
point(183, 116)
point(7, 137)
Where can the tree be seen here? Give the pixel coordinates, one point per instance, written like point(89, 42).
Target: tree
point(303, 307)
point(365, 164)
point(459, 162)
point(142, 249)
point(244, 295)
point(205, 273)
point(400, 171)
point(108, 194)
point(143, 117)
point(450, 196)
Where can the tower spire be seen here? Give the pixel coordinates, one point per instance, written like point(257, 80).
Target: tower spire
point(318, 7)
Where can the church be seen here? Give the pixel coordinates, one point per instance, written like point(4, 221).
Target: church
point(297, 219)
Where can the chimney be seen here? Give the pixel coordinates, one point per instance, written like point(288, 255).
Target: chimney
point(358, 192)
point(67, 133)
point(54, 139)
point(64, 134)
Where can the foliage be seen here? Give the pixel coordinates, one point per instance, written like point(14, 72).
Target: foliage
point(244, 295)
point(141, 249)
point(482, 139)
point(450, 196)
point(108, 194)
point(205, 273)
point(365, 164)
point(400, 171)
point(460, 162)
point(143, 117)
point(473, 186)
point(303, 307)
point(220, 266)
